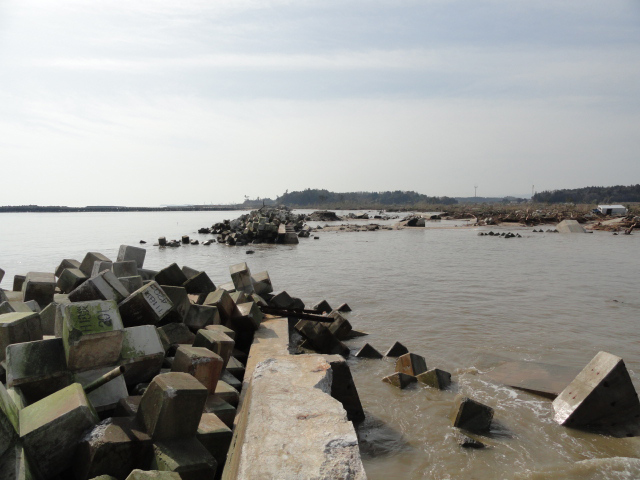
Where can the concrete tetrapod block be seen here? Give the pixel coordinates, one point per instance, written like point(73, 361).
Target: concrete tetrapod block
point(400, 380)
point(293, 395)
point(115, 447)
point(343, 388)
point(18, 327)
point(215, 436)
point(199, 283)
point(435, 378)
point(142, 354)
point(18, 281)
point(228, 378)
point(125, 268)
point(179, 298)
point(411, 364)
point(153, 475)
point(127, 252)
point(321, 338)
point(262, 283)
point(570, 226)
point(22, 307)
point(100, 266)
point(1, 275)
point(223, 301)
point(239, 297)
point(200, 362)
point(132, 283)
point(187, 457)
point(241, 277)
point(108, 395)
point(470, 415)
point(104, 286)
point(367, 351)
point(172, 405)
point(146, 306)
point(322, 307)
point(39, 368)
point(223, 410)
point(396, 350)
point(70, 279)
point(66, 263)
point(217, 342)
point(236, 368)
point(199, 316)
point(171, 275)
point(343, 308)
point(601, 392)
point(247, 318)
point(227, 393)
point(175, 334)
point(340, 326)
point(39, 286)
point(127, 406)
point(89, 259)
point(222, 329)
point(281, 300)
point(51, 428)
point(92, 334)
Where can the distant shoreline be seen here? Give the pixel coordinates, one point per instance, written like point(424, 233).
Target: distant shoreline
point(57, 209)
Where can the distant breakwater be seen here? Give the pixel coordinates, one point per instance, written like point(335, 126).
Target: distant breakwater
point(37, 208)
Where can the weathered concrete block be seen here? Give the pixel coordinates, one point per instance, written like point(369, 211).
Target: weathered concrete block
point(241, 277)
point(147, 274)
point(236, 368)
point(185, 239)
point(171, 275)
point(18, 281)
point(70, 279)
point(187, 457)
point(142, 354)
point(400, 380)
point(259, 300)
point(92, 334)
point(22, 307)
point(127, 252)
point(344, 308)
point(127, 406)
point(321, 338)
point(162, 241)
point(18, 327)
point(228, 378)
point(125, 268)
point(340, 326)
point(1, 275)
point(470, 415)
point(199, 316)
point(248, 317)
point(89, 259)
point(146, 306)
point(602, 391)
point(153, 475)
point(222, 329)
point(39, 286)
point(396, 350)
point(216, 341)
point(239, 297)
point(172, 405)
point(115, 447)
point(100, 266)
point(39, 368)
point(322, 307)
point(104, 286)
point(215, 436)
point(227, 393)
point(179, 298)
point(297, 304)
point(67, 263)
point(367, 351)
point(223, 410)
point(108, 395)
point(48, 319)
point(131, 283)
point(435, 378)
point(466, 441)
point(411, 364)
point(51, 428)
point(262, 283)
point(343, 388)
point(228, 287)
point(199, 283)
point(9, 407)
point(176, 334)
point(281, 300)
point(202, 363)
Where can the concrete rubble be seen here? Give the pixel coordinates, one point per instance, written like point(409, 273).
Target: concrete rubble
point(103, 380)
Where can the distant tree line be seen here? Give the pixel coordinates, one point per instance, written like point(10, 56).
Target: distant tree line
point(315, 197)
point(591, 195)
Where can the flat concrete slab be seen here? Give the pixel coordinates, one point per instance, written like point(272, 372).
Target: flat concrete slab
point(543, 379)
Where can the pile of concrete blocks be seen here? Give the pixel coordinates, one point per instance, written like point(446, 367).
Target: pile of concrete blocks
point(177, 343)
point(266, 225)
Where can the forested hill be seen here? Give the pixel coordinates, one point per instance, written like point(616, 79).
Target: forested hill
point(615, 194)
point(315, 197)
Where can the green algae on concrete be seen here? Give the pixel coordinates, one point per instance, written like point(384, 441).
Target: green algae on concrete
point(92, 334)
point(51, 428)
point(18, 327)
point(142, 354)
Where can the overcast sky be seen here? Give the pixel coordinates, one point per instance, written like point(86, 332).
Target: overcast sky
point(153, 102)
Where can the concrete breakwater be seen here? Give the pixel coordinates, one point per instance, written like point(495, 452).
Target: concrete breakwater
point(112, 370)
